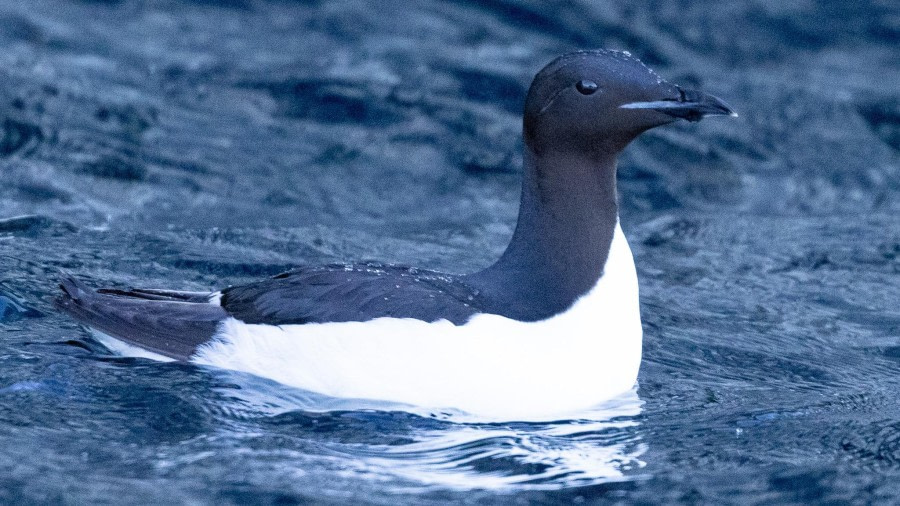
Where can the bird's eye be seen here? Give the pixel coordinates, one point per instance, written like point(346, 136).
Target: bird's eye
point(586, 87)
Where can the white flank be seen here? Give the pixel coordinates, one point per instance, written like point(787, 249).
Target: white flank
point(492, 366)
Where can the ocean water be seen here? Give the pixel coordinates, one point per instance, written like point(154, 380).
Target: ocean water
point(199, 144)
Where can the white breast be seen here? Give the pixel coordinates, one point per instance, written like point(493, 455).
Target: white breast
point(492, 366)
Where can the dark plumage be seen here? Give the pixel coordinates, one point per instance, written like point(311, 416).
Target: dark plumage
point(167, 326)
point(366, 291)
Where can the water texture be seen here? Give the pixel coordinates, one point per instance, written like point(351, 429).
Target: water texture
point(199, 144)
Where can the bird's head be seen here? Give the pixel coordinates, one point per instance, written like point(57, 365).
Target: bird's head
point(599, 101)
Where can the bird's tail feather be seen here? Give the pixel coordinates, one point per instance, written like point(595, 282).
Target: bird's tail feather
point(172, 324)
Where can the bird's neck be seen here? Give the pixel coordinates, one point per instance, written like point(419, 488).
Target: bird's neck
point(567, 217)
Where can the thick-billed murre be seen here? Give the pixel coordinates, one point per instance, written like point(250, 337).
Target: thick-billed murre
point(551, 328)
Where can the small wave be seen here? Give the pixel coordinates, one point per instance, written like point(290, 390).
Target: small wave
point(442, 449)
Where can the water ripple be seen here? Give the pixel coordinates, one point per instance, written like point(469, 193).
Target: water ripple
point(446, 450)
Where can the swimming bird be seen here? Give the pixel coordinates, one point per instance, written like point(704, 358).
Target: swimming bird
point(551, 328)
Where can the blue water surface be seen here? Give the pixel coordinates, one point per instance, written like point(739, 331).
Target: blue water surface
point(198, 144)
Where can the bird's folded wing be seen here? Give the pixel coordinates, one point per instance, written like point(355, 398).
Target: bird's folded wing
point(344, 293)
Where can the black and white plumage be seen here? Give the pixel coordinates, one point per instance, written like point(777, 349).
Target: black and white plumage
point(175, 323)
point(552, 327)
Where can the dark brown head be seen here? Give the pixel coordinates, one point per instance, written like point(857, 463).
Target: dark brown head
point(599, 101)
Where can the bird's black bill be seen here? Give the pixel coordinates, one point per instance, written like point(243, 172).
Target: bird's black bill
point(691, 105)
